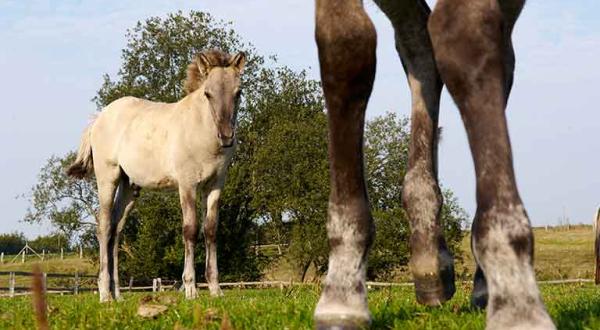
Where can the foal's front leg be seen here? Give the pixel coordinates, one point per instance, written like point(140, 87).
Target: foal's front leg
point(211, 206)
point(187, 196)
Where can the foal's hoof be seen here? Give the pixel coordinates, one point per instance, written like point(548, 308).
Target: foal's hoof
point(341, 323)
point(435, 290)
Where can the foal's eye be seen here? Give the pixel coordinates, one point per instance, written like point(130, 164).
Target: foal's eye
point(208, 95)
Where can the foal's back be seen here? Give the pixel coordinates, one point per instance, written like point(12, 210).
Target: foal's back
point(136, 135)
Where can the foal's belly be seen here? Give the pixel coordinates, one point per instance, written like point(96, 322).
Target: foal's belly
point(147, 173)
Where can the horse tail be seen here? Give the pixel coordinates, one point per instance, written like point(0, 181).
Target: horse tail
point(83, 165)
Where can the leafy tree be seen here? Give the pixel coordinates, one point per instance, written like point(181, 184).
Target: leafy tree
point(289, 170)
point(51, 243)
point(12, 243)
point(69, 205)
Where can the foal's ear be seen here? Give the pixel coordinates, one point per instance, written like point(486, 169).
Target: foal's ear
point(203, 64)
point(238, 61)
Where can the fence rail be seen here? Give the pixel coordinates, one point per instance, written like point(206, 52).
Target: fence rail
point(158, 286)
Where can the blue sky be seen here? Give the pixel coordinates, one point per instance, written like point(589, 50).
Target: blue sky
point(54, 53)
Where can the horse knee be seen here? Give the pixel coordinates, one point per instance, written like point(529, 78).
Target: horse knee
point(210, 230)
point(190, 232)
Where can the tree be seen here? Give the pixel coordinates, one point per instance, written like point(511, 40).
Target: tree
point(51, 243)
point(12, 243)
point(290, 185)
point(69, 205)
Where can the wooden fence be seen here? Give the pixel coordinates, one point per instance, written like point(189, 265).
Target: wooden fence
point(159, 285)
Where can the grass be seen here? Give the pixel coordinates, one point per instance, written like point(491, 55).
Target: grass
point(71, 264)
point(559, 253)
point(574, 306)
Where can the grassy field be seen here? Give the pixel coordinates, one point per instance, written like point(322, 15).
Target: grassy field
point(575, 306)
point(560, 254)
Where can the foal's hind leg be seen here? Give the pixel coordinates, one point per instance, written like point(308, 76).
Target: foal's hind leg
point(431, 263)
point(469, 45)
point(123, 204)
point(346, 41)
point(107, 177)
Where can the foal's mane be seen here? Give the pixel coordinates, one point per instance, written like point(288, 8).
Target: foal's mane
point(197, 74)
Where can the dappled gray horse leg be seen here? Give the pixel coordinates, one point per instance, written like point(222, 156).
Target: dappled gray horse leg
point(211, 206)
point(123, 204)
point(469, 43)
point(187, 197)
point(346, 41)
point(431, 263)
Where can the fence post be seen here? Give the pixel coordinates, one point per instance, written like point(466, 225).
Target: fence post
point(153, 285)
point(61, 254)
point(43, 254)
point(80, 252)
point(23, 256)
point(159, 284)
point(44, 283)
point(2, 258)
point(130, 283)
point(11, 284)
point(76, 289)
point(597, 247)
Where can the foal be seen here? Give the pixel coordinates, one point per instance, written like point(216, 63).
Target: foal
point(187, 145)
point(467, 45)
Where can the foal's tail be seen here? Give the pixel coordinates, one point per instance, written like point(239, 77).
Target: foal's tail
point(83, 165)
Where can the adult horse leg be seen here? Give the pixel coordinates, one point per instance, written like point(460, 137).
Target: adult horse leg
point(106, 177)
point(469, 42)
point(211, 206)
point(187, 197)
point(346, 40)
point(510, 11)
point(431, 263)
point(123, 204)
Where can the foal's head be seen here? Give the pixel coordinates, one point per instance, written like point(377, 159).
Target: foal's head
point(220, 74)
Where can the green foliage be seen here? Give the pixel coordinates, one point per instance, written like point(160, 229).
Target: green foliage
point(12, 243)
point(69, 205)
point(52, 243)
point(289, 181)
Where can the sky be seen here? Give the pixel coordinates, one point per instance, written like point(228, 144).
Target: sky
point(54, 52)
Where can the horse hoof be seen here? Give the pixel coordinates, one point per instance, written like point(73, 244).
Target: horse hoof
point(341, 323)
point(479, 299)
point(434, 290)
